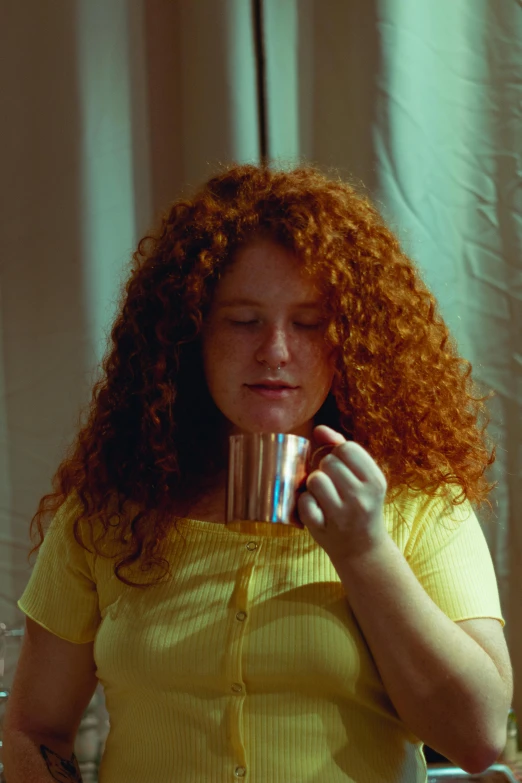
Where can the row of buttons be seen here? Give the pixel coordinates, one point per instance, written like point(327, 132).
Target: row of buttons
point(240, 772)
point(237, 687)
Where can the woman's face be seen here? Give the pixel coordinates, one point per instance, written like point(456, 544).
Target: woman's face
point(266, 312)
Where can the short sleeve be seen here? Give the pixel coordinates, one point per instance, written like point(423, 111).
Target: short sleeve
point(61, 593)
point(449, 555)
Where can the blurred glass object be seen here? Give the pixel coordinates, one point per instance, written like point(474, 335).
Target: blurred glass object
point(6, 634)
point(510, 752)
point(497, 773)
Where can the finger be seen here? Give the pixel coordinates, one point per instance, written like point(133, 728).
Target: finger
point(344, 480)
point(309, 511)
point(323, 489)
point(324, 435)
point(359, 461)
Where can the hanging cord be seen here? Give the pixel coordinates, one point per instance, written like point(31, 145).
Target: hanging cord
point(259, 48)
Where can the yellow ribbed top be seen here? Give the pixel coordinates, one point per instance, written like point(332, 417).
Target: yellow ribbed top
point(248, 663)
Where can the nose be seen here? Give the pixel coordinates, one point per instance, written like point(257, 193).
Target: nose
point(274, 349)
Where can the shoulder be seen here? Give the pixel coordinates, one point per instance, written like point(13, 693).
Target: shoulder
point(414, 515)
point(415, 504)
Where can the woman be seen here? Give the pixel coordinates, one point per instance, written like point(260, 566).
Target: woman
point(271, 301)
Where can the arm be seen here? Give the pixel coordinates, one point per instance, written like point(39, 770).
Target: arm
point(450, 683)
point(53, 685)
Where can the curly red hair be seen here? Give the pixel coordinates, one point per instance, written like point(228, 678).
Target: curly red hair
point(401, 390)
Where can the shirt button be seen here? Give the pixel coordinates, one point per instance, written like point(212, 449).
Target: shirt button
point(251, 546)
point(237, 687)
point(240, 616)
point(240, 772)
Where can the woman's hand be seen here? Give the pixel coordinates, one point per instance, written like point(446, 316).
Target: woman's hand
point(342, 506)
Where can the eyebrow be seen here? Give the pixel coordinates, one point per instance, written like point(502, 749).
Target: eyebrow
point(254, 303)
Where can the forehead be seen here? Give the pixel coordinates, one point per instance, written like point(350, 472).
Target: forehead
point(265, 269)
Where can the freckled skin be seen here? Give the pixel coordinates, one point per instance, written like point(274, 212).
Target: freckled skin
point(280, 325)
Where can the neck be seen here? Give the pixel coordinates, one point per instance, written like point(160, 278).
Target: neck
point(206, 502)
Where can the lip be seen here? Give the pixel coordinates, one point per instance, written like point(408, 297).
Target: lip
point(273, 383)
point(272, 390)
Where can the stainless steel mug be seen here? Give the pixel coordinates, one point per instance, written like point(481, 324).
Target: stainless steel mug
point(265, 473)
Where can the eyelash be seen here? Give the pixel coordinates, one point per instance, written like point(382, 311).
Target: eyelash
point(253, 323)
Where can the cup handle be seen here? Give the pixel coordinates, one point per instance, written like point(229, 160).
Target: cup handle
point(313, 463)
point(318, 454)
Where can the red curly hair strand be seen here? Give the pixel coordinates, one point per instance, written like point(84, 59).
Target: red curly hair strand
point(400, 390)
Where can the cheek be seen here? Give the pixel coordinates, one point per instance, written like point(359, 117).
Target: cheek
point(320, 360)
point(323, 372)
point(221, 354)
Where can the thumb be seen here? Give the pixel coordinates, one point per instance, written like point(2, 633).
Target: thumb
point(326, 436)
point(325, 439)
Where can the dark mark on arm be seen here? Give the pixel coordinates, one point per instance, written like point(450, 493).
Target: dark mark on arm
point(63, 770)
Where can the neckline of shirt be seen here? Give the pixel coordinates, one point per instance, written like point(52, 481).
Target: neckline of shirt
point(242, 528)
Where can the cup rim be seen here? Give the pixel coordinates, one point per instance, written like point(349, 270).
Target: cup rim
point(244, 435)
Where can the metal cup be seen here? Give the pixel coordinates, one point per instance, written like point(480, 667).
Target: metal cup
point(265, 473)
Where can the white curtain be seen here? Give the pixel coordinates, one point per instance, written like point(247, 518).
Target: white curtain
point(448, 149)
point(421, 101)
point(113, 109)
point(110, 110)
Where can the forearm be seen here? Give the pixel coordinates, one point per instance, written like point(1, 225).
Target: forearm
point(444, 686)
point(38, 759)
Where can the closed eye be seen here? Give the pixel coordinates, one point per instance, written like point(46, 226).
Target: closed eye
point(307, 326)
point(298, 324)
